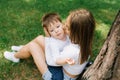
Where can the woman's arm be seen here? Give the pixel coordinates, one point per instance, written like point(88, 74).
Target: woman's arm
point(60, 61)
point(63, 61)
point(67, 56)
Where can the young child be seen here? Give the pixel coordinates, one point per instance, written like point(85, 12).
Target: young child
point(52, 46)
point(81, 25)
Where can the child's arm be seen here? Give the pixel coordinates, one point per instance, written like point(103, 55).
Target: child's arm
point(63, 61)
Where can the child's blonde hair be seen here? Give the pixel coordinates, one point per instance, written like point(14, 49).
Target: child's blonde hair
point(82, 26)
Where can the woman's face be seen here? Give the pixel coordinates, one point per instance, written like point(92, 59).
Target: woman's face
point(67, 25)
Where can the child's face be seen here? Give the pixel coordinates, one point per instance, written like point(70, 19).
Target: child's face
point(56, 30)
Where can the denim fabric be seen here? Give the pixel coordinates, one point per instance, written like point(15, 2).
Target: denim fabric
point(47, 75)
point(66, 77)
point(57, 72)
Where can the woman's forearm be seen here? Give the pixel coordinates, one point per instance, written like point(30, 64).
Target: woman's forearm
point(61, 61)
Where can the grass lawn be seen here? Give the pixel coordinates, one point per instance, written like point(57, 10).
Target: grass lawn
point(20, 23)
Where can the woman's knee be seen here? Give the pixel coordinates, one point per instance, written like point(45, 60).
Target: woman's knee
point(40, 40)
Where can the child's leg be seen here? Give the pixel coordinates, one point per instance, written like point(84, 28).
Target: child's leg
point(57, 72)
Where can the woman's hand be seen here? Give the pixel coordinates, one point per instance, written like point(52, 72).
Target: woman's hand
point(70, 61)
point(63, 61)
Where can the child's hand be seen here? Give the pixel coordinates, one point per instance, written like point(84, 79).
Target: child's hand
point(70, 61)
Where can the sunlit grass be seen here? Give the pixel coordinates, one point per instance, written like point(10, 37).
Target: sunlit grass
point(103, 28)
point(1, 56)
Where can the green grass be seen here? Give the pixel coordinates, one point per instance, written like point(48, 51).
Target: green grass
point(20, 23)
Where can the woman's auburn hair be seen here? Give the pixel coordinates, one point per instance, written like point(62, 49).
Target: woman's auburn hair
point(82, 26)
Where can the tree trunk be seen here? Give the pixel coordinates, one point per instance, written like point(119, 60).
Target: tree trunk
point(107, 64)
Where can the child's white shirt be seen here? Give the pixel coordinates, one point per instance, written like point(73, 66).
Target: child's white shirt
point(72, 51)
point(53, 47)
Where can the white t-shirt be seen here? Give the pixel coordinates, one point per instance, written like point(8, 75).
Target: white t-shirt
point(72, 51)
point(53, 47)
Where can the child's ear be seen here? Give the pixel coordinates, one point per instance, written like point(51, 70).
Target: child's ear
point(46, 32)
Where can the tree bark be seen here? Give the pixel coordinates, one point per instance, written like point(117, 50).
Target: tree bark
point(107, 64)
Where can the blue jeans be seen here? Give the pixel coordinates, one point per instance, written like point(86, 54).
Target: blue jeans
point(66, 77)
point(47, 75)
point(57, 72)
